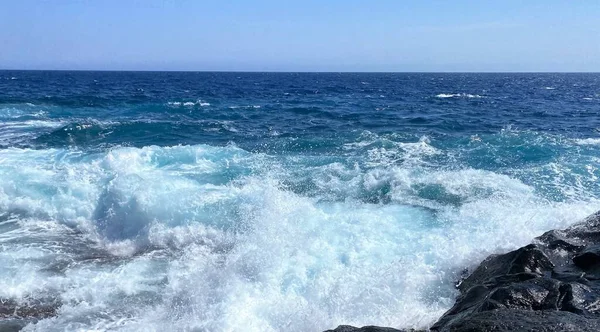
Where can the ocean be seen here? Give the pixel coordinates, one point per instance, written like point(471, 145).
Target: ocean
point(198, 201)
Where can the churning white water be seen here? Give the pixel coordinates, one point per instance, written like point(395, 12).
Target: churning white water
point(210, 238)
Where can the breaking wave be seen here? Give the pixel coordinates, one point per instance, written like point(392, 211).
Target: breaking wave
point(218, 238)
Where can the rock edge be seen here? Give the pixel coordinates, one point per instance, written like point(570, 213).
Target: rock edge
point(552, 284)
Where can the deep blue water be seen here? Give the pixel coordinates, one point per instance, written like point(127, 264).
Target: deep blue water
point(283, 111)
point(271, 201)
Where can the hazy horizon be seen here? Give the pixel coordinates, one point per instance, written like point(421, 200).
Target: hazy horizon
point(300, 72)
point(266, 36)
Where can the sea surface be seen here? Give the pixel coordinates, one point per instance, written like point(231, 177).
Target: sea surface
point(173, 201)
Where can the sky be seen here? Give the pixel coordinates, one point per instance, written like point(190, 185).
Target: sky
point(310, 35)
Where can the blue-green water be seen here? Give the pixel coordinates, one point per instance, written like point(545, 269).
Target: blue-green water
point(279, 201)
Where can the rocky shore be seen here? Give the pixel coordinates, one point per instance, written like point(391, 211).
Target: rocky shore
point(15, 315)
point(552, 284)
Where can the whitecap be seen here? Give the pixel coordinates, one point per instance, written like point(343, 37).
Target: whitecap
point(212, 238)
point(588, 141)
point(198, 102)
point(233, 107)
point(456, 95)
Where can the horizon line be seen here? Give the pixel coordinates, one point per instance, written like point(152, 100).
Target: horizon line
point(305, 72)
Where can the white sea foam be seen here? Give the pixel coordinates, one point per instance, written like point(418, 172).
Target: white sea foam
point(457, 95)
point(382, 151)
point(166, 239)
point(245, 106)
point(21, 110)
point(11, 113)
point(588, 141)
point(16, 131)
point(198, 102)
point(78, 127)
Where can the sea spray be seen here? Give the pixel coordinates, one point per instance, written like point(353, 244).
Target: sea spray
point(129, 213)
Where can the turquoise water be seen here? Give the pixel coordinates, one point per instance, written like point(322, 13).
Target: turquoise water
point(269, 202)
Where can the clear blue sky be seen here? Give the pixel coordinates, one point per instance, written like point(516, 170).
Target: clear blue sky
point(311, 35)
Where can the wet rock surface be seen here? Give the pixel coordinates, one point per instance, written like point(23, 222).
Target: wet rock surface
point(348, 328)
point(552, 284)
point(33, 308)
point(14, 315)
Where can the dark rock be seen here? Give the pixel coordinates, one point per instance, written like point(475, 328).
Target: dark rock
point(589, 257)
point(30, 308)
point(535, 294)
point(556, 239)
point(15, 315)
point(587, 231)
point(524, 320)
point(12, 325)
point(348, 328)
point(550, 285)
point(581, 299)
point(529, 260)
